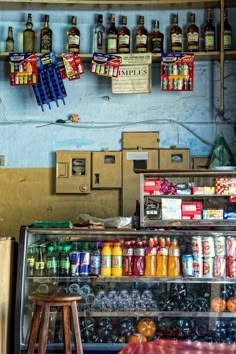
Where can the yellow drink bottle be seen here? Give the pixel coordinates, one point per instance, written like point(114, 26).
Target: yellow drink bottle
point(150, 259)
point(174, 259)
point(162, 259)
point(106, 259)
point(116, 260)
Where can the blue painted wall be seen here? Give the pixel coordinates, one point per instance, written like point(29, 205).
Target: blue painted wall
point(185, 119)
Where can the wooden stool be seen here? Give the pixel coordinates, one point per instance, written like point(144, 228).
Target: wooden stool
point(43, 302)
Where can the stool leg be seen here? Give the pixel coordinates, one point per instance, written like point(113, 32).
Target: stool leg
point(34, 329)
point(43, 335)
point(66, 327)
point(76, 329)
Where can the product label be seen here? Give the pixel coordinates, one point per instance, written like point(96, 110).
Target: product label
point(227, 40)
point(65, 264)
point(156, 45)
point(209, 40)
point(30, 262)
point(51, 264)
point(174, 252)
point(74, 40)
point(95, 262)
point(99, 39)
point(141, 43)
point(111, 44)
point(39, 265)
point(116, 261)
point(106, 262)
point(123, 40)
point(176, 39)
point(193, 37)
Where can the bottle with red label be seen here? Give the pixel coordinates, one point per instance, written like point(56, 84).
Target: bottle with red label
point(150, 259)
point(127, 258)
point(139, 259)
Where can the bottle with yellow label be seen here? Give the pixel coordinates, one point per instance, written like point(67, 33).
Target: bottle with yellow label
point(106, 259)
point(116, 260)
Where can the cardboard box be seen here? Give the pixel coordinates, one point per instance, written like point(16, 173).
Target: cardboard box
point(106, 169)
point(200, 162)
point(171, 208)
point(137, 140)
point(174, 159)
point(73, 172)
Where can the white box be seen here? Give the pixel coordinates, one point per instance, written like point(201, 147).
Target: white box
point(171, 208)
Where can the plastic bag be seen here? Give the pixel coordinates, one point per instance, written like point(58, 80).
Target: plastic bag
point(221, 154)
point(117, 222)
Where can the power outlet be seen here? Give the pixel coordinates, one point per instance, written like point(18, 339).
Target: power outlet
point(2, 160)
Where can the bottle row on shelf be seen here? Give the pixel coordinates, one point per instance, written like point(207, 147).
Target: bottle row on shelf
point(119, 39)
point(164, 257)
point(141, 298)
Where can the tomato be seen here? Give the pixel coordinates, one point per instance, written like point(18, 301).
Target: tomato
point(218, 304)
point(231, 304)
point(146, 326)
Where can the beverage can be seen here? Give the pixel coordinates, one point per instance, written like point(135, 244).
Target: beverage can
point(197, 267)
point(219, 266)
point(208, 247)
point(208, 267)
point(75, 263)
point(84, 263)
point(231, 247)
point(220, 247)
point(231, 267)
point(187, 265)
point(197, 246)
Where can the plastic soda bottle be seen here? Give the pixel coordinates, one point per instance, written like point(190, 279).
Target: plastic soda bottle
point(139, 259)
point(40, 263)
point(106, 259)
point(51, 261)
point(95, 260)
point(150, 259)
point(116, 260)
point(174, 259)
point(30, 260)
point(127, 258)
point(162, 259)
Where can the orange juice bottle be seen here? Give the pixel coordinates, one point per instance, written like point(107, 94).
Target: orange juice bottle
point(174, 259)
point(106, 259)
point(162, 259)
point(116, 260)
point(150, 259)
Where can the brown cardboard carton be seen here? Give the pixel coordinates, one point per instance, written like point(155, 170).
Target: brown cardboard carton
point(140, 140)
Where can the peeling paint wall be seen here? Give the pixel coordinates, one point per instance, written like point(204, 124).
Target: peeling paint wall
point(184, 119)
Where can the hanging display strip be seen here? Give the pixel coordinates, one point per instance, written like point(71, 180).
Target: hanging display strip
point(105, 64)
point(23, 69)
point(50, 85)
point(177, 71)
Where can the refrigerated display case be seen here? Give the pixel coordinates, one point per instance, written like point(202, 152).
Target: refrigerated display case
point(116, 310)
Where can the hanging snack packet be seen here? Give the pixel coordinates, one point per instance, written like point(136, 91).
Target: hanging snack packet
point(23, 69)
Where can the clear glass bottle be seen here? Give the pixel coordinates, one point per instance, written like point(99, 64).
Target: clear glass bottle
point(99, 36)
point(73, 37)
point(46, 37)
point(112, 36)
point(141, 37)
point(156, 39)
point(123, 37)
point(10, 40)
point(29, 36)
point(192, 35)
point(176, 36)
point(227, 32)
point(209, 33)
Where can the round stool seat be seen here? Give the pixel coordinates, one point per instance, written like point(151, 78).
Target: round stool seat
point(40, 321)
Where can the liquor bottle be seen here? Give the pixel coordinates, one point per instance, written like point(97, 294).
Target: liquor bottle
point(112, 36)
point(99, 36)
point(192, 35)
point(227, 32)
point(123, 37)
point(46, 37)
point(10, 40)
point(30, 260)
point(156, 39)
point(176, 37)
point(29, 36)
point(141, 37)
point(136, 216)
point(51, 261)
point(209, 33)
point(73, 37)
